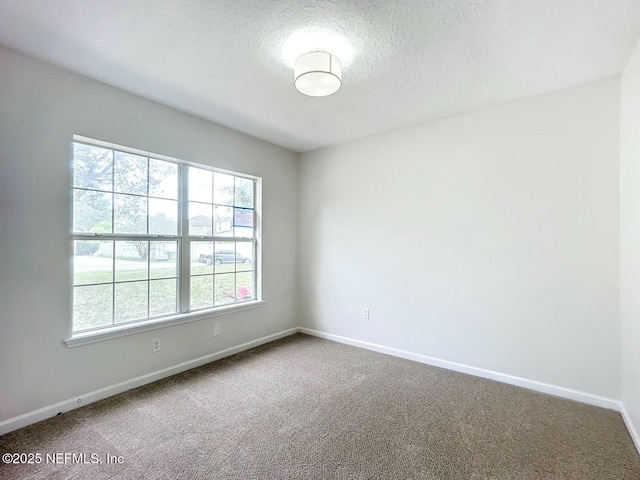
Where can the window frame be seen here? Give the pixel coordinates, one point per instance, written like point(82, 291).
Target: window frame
point(183, 258)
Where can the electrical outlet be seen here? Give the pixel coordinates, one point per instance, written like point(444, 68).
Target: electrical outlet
point(216, 329)
point(155, 345)
point(366, 313)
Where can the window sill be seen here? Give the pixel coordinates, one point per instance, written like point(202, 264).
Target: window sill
point(84, 338)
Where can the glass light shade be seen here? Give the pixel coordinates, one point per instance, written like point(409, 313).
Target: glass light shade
point(318, 74)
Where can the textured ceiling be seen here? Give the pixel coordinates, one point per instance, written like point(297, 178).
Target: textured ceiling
point(404, 62)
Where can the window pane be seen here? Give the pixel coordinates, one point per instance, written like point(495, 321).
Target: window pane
point(91, 211)
point(223, 189)
point(92, 262)
point(130, 215)
point(201, 258)
point(244, 193)
point(244, 256)
point(243, 232)
point(92, 167)
point(225, 257)
point(243, 222)
point(162, 259)
point(131, 260)
point(245, 288)
point(225, 287)
point(92, 306)
point(223, 221)
point(200, 185)
point(163, 179)
point(201, 292)
point(163, 216)
point(130, 301)
point(162, 297)
point(130, 173)
point(200, 221)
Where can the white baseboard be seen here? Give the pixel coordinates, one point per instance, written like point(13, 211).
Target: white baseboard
point(635, 434)
point(478, 372)
point(49, 411)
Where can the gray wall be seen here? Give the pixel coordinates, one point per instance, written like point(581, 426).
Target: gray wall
point(41, 107)
point(489, 239)
point(630, 239)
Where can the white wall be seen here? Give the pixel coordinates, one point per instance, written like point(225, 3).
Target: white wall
point(630, 239)
point(489, 239)
point(41, 107)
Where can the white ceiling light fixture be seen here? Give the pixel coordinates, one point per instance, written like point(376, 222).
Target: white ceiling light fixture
point(317, 74)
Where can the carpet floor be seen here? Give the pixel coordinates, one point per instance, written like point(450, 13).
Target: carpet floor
point(307, 408)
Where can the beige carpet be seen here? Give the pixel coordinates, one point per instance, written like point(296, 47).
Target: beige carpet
point(307, 408)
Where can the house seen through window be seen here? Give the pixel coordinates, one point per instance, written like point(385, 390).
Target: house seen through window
point(154, 237)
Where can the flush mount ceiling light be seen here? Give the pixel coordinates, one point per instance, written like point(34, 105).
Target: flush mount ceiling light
point(317, 74)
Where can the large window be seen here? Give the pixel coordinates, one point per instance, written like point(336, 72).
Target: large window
point(157, 238)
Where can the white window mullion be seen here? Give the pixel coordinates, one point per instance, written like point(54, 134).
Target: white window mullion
point(184, 278)
point(257, 237)
point(113, 276)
